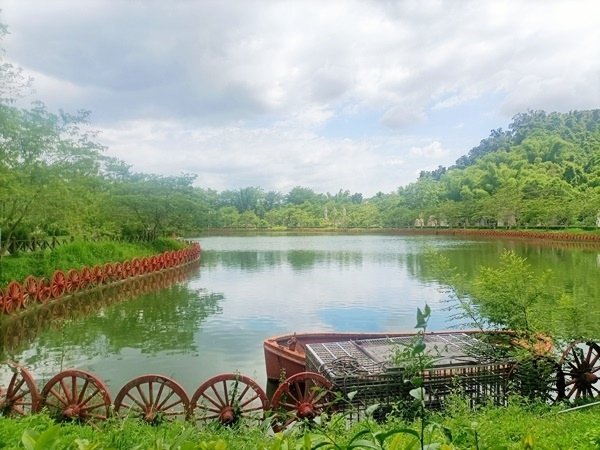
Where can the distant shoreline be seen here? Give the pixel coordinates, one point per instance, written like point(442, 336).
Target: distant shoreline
point(569, 235)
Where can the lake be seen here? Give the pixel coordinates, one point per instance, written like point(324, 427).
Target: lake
point(215, 317)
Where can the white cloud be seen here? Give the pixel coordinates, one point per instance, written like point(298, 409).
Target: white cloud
point(273, 74)
point(433, 150)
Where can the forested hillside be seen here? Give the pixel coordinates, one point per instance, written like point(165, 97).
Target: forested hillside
point(55, 179)
point(543, 171)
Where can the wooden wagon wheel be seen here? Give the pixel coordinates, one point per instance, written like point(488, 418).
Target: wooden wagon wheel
point(580, 363)
point(86, 277)
point(58, 286)
point(13, 297)
point(127, 269)
point(73, 281)
point(145, 265)
point(303, 396)
point(153, 398)
point(136, 266)
point(109, 271)
point(153, 263)
point(229, 398)
point(30, 289)
point(44, 292)
point(98, 275)
point(168, 259)
point(118, 271)
point(20, 396)
point(76, 395)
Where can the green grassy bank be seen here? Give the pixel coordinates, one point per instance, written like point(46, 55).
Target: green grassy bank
point(77, 254)
point(518, 426)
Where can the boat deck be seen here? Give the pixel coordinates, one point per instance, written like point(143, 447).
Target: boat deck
point(374, 356)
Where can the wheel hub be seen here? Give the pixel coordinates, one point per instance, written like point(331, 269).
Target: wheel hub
point(590, 377)
point(306, 411)
point(72, 411)
point(227, 415)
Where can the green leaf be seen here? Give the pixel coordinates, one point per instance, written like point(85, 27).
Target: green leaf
point(408, 431)
point(417, 393)
point(360, 434)
point(29, 438)
point(371, 409)
point(364, 444)
point(418, 348)
point(48, 439)
point(427, 311)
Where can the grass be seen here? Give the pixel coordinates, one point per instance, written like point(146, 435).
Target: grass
point(77, 254)
point(521, 425)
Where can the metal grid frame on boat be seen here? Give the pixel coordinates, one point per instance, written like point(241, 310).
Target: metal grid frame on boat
point(460, 364)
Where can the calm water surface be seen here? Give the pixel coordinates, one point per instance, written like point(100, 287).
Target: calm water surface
point(248, 288)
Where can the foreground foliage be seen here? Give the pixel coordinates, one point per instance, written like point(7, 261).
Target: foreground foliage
point(518, 426)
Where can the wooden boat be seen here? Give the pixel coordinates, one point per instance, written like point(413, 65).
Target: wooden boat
point(285, 354)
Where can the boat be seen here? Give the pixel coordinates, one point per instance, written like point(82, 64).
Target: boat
point(285, 355)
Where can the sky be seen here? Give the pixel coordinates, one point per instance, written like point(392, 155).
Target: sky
point(351, 95)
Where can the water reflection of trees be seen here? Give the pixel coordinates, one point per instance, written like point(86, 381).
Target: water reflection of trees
point(574, 311)
point(296, 259)
point(159, 315)
point(159, 321)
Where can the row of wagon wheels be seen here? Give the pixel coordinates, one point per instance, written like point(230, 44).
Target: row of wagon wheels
point(227, 399)
point(17, 295)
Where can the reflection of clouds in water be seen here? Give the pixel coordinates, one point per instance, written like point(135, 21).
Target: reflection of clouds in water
point(374, 279)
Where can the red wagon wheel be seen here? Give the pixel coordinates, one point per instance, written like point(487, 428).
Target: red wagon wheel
point(13, 297)
point(303, 396)
point(76, 395)
point(44, 292)
point(98, 275)
point(59, 282)
point(73, 281)
point(30, 289)
point(229, 398)
point(86, 277)
point(153, 398)
point(136, 266)
point(580, 364)
point(118, 271)
point(1, 301)
point(153, 263)
point(109, 271)
point(169, 259)
point(20, 396)
point(127, 269)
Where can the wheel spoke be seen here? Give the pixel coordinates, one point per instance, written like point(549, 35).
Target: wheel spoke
point(218, 395)
point(135, 400)
point(143, 396)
